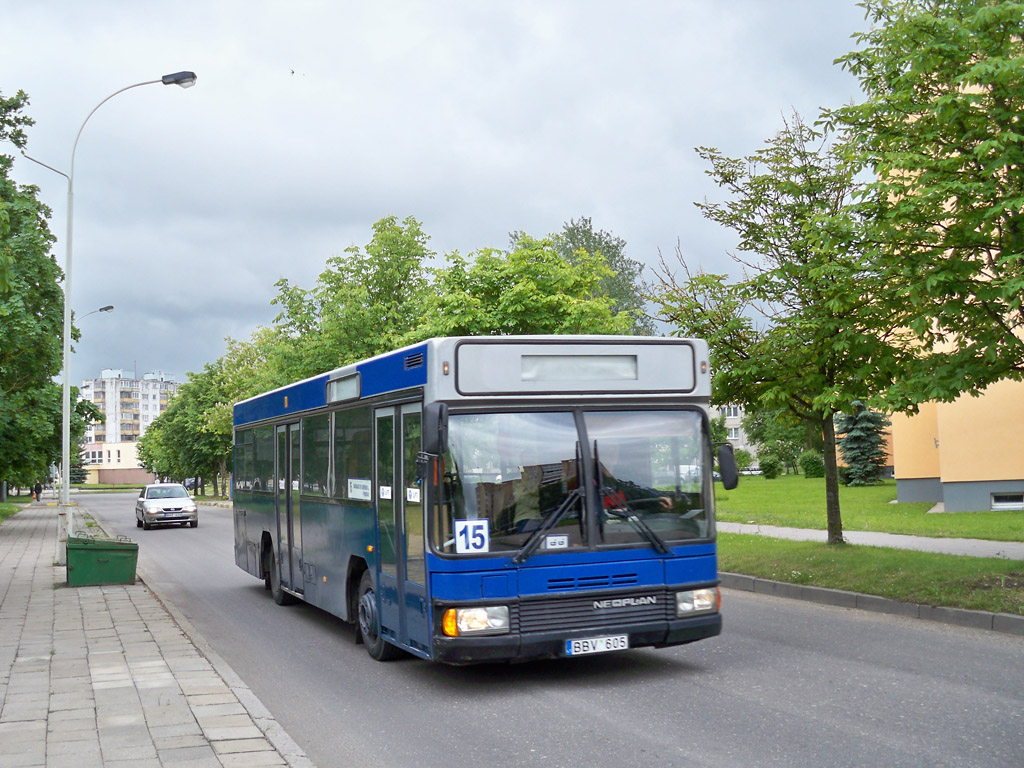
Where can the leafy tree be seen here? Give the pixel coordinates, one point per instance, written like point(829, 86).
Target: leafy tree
point(862, 444)
point(719, 432)
point(781, 434)
point(744, 459)
point(820, 341)
point(531, 289)
point(623, 285)
point(363, 304)
point(940, 132)
point(31, 319)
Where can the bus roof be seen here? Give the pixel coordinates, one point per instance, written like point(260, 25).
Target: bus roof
point(500, 366)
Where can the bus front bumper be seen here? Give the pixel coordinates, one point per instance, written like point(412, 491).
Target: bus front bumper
point(547, 645)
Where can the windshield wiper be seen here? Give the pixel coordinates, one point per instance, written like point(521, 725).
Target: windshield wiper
point(549, 522)
point(638, 522)
point(629, 514)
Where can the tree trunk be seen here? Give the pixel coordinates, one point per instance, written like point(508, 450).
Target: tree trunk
point(223, 477)
point(835, 520)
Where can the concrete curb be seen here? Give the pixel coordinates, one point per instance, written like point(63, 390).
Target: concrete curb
point(997, 622)
point(289, 750)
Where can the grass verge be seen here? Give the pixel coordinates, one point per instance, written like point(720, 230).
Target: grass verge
point(6, 510)
point(977, 583)
point(795, 501)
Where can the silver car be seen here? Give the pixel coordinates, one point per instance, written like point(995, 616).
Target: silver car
point(165, 504)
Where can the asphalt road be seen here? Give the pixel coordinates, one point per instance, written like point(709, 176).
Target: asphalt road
point(786, 684)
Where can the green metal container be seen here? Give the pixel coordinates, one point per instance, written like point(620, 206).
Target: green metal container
point(94, 561)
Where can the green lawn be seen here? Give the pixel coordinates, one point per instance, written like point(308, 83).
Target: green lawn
point(977, 583)
point(798, 502)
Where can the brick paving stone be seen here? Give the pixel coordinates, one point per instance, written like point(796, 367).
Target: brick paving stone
point(104, 676)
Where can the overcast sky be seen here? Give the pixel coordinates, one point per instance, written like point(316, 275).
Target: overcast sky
point(312, 120)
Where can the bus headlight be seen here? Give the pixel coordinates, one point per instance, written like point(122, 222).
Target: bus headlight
point(489, 620)
point(697, 601)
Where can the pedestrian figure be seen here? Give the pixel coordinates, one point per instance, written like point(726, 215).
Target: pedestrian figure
point(39, 491)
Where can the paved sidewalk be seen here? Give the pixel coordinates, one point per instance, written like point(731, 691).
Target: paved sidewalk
point(104, 676)
point(1010, 550)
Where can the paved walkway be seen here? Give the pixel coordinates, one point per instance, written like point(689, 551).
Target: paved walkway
point(104, 676)
point(1011, 550)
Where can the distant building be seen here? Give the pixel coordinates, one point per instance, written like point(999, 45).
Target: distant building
point(130, 405)
point(734, 428)
point(968, 454)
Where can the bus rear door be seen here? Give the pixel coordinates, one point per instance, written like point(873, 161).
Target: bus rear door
point(289, 523)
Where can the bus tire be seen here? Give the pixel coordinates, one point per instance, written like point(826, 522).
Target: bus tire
point(280, 596)
point(369, 623)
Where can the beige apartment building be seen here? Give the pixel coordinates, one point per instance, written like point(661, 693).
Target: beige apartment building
point(967, 455)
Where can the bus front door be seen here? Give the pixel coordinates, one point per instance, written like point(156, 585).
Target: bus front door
point(289, 523)
point(402, 578)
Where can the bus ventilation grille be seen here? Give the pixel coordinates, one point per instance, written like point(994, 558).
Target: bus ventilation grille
point(414, 360)
point(601, 581)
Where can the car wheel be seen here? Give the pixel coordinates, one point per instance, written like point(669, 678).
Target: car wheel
point(369, 624)
point(280, 596)
point(146, 526)
point(194, 523)
point(138, 523)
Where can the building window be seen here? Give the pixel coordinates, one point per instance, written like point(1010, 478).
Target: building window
point(1007, 501)
point(732, 411)
point(734, 433)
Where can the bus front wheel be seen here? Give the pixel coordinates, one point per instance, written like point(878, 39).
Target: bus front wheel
point(369, 623)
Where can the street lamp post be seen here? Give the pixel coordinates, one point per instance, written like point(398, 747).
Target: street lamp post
point(108, 308)
point(65, 514)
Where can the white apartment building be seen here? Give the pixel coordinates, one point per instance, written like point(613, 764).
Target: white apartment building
point(734, 424)
point(130, 405)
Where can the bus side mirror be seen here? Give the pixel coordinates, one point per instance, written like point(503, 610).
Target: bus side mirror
point(727, 466)
point(435, 428)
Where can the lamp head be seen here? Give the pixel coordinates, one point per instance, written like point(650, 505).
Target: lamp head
point(184, 79)
point(108, 308)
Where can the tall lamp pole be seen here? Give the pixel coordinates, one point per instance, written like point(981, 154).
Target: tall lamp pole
point(66, 514)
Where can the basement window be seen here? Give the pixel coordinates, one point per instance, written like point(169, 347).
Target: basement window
point(1007, 501)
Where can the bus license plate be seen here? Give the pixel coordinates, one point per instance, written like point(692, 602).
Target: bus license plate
point(587, 645)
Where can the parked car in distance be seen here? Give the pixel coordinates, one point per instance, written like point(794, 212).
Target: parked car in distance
point(165, 504)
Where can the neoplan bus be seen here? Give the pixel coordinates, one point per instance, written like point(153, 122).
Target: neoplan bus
point(491, 499)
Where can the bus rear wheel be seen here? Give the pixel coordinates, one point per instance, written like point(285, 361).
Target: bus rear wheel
point(369, 623)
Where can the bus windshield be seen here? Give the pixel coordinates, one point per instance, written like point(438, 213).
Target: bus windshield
point(651, 465)
point(514, 470)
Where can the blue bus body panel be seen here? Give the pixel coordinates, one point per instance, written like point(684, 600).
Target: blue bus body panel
point(308, 394)
point(389, 373)
point(547, 574)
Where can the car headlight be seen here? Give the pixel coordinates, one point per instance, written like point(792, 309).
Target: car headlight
point(697, 601)
point(489, 620)
point(190, 507)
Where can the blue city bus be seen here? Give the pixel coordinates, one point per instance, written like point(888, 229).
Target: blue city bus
point(491, 499)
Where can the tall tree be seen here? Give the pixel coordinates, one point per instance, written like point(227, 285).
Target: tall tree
point(531, 289)
point(624, 284)
point(942, 134)
point(362, 304)
point(31, 318)
point(800, 331)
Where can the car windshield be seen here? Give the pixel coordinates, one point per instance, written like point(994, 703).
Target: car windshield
point(168, 492)
point(513, 480)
